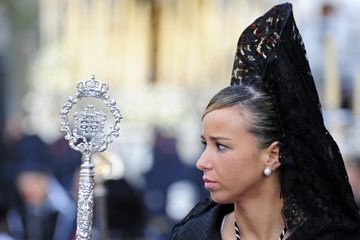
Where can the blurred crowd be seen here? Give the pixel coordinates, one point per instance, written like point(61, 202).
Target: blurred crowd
point(38, 183)
point(36, 188)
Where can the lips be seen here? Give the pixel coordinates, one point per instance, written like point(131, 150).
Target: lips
point(209, 184)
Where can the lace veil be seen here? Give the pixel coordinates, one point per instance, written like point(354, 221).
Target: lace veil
point(271, 54)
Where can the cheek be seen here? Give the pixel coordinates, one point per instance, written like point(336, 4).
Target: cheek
point(242, 165)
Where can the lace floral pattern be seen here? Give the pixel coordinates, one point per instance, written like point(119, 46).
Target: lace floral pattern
point(293, 216)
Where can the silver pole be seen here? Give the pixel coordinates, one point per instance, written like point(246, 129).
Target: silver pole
point(85, 199)
point(88, 135)
point(101, 206)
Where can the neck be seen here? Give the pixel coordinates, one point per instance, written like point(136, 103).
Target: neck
point(259, 215)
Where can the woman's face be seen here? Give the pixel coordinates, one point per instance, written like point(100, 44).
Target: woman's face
point(232, 162)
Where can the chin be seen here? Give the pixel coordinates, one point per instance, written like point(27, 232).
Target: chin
point(220, 199)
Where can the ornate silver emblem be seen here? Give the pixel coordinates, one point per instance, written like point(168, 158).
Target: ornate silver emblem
point(89, 135)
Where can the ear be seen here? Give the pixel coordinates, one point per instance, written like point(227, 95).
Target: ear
point(272, 156)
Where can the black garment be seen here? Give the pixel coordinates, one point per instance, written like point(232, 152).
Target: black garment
point(204, 223)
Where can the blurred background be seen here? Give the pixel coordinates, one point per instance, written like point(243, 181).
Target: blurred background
point(163, 60)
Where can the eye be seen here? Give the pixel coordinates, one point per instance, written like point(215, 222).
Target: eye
point(221, 147)
point(203, 142)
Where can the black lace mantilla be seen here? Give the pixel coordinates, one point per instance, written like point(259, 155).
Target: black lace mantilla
point(271, 54)
point(293, 216)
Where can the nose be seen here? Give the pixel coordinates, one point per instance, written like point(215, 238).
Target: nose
point(203, 163)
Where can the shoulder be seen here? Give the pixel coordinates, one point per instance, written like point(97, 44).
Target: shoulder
point(202, 222)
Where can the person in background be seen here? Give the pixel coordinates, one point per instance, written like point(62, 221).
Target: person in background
point(126, 211)
point(271, 168)
point(167, 173)
point(43, 209)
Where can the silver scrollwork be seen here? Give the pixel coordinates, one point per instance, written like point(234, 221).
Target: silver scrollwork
point(88, 136)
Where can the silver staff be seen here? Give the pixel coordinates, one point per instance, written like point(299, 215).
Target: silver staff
point(88, 135)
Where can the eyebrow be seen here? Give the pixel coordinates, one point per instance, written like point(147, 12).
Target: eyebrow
point(215, 138)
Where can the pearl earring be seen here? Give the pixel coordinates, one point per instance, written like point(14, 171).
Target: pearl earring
point(267, 171)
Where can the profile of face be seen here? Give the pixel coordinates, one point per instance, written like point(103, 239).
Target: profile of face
point(234, 159)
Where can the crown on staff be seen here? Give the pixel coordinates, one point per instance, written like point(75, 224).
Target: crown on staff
point(92, 88)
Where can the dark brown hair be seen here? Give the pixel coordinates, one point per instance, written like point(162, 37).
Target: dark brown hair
point(256, 106)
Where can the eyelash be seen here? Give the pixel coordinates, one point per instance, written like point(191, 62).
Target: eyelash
point(219, 147)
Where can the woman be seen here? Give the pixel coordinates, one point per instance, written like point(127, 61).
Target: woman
point(271, 168)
